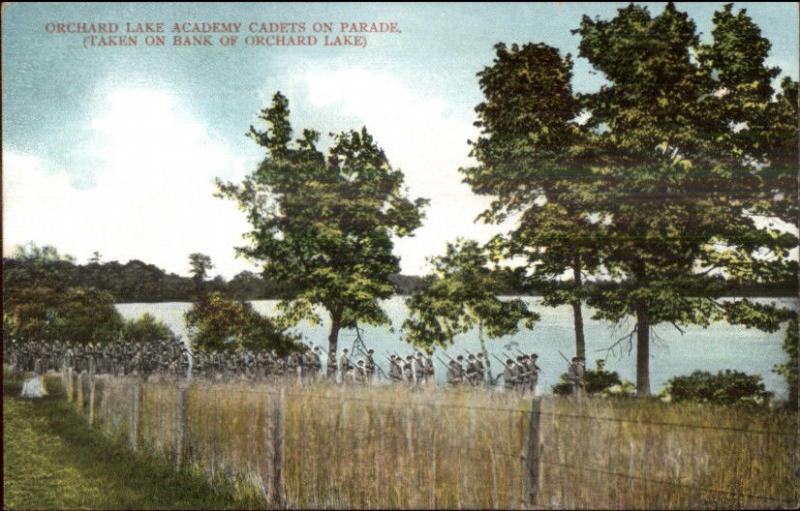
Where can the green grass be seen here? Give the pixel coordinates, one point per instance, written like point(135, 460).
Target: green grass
point(52, 459)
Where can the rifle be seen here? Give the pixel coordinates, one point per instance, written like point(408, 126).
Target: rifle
point(448, 356)
point(565, 358)
point(498, 359)
point(441, 361)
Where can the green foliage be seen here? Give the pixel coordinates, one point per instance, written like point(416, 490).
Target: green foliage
point(791, 369)
point(323, 223)
point(725, 388)
point(73, 315)
point(597, 381)
point(146, 329)
point(655, 178)
point(216, 323)
point(460, 295)
point(32, 252)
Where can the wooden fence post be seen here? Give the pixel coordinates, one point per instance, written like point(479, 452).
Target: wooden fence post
point(183, 426)
point(67, 376)
point(278, 486)
point(133, 426)
point(91, 399)
point(532, 455)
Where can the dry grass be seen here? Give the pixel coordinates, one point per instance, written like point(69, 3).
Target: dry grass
point(391, 447)
point(643, 459)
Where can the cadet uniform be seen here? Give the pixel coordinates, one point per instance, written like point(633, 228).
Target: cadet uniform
point(345, 367)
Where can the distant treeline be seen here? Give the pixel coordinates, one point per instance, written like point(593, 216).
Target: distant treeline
point(136, 281)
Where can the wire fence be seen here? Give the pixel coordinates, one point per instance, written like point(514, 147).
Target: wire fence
point(316, 446)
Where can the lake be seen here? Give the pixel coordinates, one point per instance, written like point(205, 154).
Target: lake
point(720, 346)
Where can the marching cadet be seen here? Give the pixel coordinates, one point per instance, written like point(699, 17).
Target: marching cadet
point(420, 374)
point(345, 367)
point(460, 368)
point(308, 363)
point(430, 375)
point(481, 368)
point(316, 364)
point(395, 369)
point(453, 373)
point(370, 365)
point(509, 375)
point(408, 370)
point(535, 369)
point(575, 374)
point(69, 357)
point(523, 374)
point(360, 373)
point(472, 370)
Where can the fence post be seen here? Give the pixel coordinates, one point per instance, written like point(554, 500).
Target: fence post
point(183, 424)
point(278, 486)
point(532, 456)
point(66, 375)
point(91, 399)
point(133, 427)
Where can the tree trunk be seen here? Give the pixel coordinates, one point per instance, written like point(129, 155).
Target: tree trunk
point(488, 375)
point(577, 313)
point(333, 343)
point(642, 351)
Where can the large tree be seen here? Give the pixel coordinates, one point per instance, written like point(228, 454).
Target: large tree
point(460, 295)
point(531, 156)
point(670, 172)
point(323, 224)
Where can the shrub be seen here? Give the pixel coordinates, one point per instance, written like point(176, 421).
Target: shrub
point(216, 323)
point(597, 381)
point(725, 388)
point(146, 329)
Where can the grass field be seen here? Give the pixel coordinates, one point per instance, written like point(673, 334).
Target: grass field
point(52, 459)
point(324, 446)
point(392, 447)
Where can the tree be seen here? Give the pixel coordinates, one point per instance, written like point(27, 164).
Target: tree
point(32, 252)
point(531, 156)
point(73, 315)
point(677, 136)
point(323, 226)
point(460, 295)
point(200, 265)
point(95, 259)
point(216, 323)
point(661, 177)
point(791, 369)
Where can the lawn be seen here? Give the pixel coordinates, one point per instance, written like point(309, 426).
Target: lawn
point(52, 459)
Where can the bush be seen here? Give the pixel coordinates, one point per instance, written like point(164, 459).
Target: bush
point(216, 323)
point(597, 381)
point(146, 329)
point(725, 388)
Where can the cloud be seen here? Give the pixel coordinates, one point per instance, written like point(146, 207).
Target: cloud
point(421, 134)
point(152, 199)
point(153, 164)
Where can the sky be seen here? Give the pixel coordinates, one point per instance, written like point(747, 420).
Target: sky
point(115, 149)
